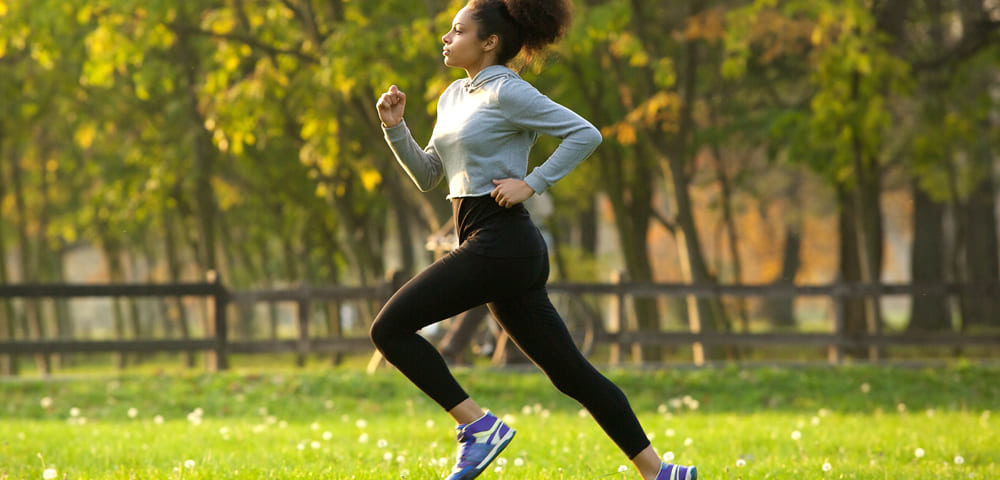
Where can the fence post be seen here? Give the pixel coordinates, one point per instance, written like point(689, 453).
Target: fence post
point(835, 351)
point(221, 302)
point(616, 317)
point(303, 322)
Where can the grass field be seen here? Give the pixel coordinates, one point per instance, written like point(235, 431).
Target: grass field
point(734, 423)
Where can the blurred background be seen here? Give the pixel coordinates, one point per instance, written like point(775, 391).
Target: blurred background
point(746, 142)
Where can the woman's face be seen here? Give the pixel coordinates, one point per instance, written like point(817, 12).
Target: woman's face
point(462, 46)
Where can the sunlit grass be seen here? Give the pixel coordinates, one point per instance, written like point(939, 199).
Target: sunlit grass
point(819, 423)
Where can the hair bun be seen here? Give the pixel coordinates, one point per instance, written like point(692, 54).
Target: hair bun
point(542, 22)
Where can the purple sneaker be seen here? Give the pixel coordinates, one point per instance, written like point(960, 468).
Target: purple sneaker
point(669, 471)
point(479, 443)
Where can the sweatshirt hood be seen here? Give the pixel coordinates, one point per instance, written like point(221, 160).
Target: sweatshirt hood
point(487, 74)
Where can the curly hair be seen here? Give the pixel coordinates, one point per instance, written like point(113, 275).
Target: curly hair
point(528, 25)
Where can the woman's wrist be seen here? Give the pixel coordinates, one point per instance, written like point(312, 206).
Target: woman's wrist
point(384, 125)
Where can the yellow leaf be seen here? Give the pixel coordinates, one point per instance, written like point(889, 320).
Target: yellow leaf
point(370, 179)
point(626, 134)
point(223, 26)
point(85, 135)
point(69, 234)
point(83, 14)
point(817, 35)
point(322, 191)
point(232, 63)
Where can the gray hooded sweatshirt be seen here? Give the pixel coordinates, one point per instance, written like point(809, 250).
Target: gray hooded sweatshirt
point(485, 128)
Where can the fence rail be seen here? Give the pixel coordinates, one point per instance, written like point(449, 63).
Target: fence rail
point(220, 346)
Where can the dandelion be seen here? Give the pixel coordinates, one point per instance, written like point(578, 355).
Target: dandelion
point(688, 442)
point(509, 419)
point(668, 457)
point(919, 452)
point(498, 469)
point(823, 412)
point(662, 408)
point(189, 464)
point(271, 420)
point(46, 402)
point(670, 432)
point(622, 469)
point(49, 473)
point(740, 463)
point(74, 412)
point(327, 436)
point(429, 424)
point(930, 412)
point(519, 462)
point(328, 404)
point(675, 403)
point(400, 459)
point(526, 410)
point(827, 467)
point(502, 461)
point(901, 407)
point(959, 460)
point(865, 387)
point(381, 443)
point(158, 419)
point(314, 427)
point(404, 473)
point(363, 438)
point(315, 444)
point(796, 435)
point(361, 423)
point(387, 456)
point(133, 412)
point(301, 446)
point(582, 413)
point(814, 421)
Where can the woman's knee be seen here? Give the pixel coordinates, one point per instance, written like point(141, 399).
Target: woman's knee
point(382, 331)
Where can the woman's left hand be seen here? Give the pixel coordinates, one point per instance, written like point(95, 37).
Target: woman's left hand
point(511, 191)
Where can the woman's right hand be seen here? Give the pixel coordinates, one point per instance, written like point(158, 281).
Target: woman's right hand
point(390, 106)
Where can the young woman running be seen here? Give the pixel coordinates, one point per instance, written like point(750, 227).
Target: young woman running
point(485, 127)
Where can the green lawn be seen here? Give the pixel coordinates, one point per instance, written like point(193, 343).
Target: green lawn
point(734, 423)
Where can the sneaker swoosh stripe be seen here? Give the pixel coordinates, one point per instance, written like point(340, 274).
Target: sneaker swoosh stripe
point(488, 434)
point(499, 446)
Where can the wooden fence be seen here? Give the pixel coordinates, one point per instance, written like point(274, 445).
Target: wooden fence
point(620, 335)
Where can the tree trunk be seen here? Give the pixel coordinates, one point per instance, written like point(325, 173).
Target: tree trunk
point(708, 315)
point(8, 331)
point(781, 310)
point(928, 313)
point(726, 201)
point(856, 313)
point(112, 258)
point(34, 327)
point(981, 251)
point(178, 313)
point(868, 220)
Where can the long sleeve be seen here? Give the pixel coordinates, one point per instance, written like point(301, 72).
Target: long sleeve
point(422, 165)
point(526, 107)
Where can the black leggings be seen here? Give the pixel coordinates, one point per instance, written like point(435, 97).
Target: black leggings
point(514, 289)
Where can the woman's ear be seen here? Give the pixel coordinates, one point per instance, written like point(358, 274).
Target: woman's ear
point(491, 43)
